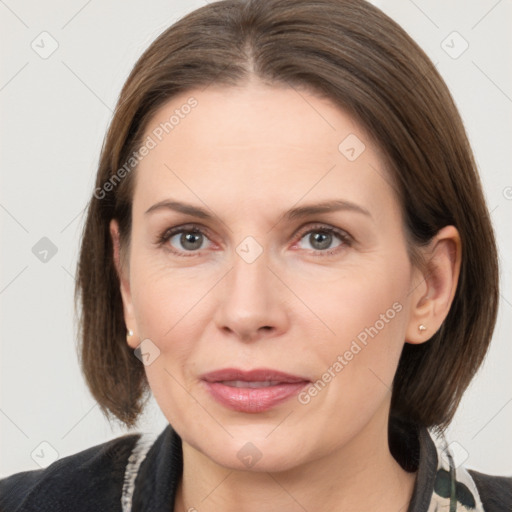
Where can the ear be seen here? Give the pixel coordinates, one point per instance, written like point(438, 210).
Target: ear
point(123, 274)
point(435, 286)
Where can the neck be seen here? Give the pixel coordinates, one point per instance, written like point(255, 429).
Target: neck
point(359, 476)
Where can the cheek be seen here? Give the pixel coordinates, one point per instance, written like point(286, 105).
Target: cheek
point(168, 316)
point(162, 296)
point(355, 365)
point(365, 315)
point(164, 310)
point(170, 311)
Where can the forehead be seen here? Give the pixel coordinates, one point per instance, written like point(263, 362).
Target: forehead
point(238, 118)
point(257, 141)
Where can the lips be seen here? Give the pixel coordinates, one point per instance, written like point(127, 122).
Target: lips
point(252, 391)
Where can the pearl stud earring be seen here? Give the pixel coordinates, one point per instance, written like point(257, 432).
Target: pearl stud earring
point(421, 328)
point(129, 333)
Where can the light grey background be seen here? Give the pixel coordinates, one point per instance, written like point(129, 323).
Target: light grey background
point(54, 114)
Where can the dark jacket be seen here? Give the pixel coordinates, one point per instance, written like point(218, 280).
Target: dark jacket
point(140, 472)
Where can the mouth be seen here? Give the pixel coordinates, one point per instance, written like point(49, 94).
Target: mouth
point(252, 391)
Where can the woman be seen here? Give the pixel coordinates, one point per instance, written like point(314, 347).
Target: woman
point(284, 246)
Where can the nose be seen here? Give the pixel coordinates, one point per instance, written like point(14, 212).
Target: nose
point(251, 303)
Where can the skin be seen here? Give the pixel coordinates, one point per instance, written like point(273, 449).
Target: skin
point(247, 155)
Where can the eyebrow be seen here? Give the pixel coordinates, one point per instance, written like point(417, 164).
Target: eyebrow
point(292, 214)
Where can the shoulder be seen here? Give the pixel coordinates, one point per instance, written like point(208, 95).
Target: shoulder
point(88, 480)
point(495, 491)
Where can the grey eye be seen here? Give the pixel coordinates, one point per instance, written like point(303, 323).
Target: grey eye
point(189, 240)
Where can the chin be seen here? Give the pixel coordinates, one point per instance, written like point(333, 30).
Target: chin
point(268, 463)
point(255, 453)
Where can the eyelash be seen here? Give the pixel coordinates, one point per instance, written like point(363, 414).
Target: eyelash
point(345, 238)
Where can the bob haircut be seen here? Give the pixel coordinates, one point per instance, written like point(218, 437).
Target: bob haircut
point(353, 54)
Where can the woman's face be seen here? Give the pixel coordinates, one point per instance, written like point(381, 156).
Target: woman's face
point(264, 278)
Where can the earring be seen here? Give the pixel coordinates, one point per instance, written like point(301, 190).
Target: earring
point(129, 333)
point(421, 328)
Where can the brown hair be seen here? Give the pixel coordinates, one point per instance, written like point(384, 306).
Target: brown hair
point(352, 53)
